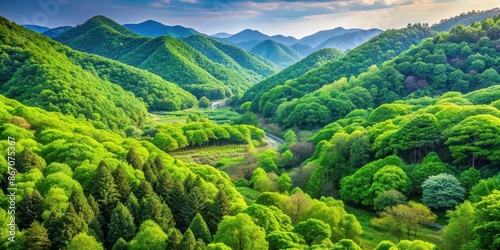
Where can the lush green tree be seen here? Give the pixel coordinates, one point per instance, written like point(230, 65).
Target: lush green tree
point(149, 174)
point(81, 205)
point(37, 237)
point(459, 231)
point(104, 189)
point(269, 218)
point(384, 245)
point(284, 182)
point(152, 209)
point(122, 182)
point(174, 239)
point(314, 231)
point(133, 159)
point(469, 178)
point(240, 232)
point(150, 236)
point(346, 244)
point(217, 246)
point(121, 225)
point(415, 244)
point(285, 240)
point(204, 102)
point(296, 205)
point(30, 209)
point(73, 224)
point(200, 229)
point(270, 199)
point(442, 191)
point(487, 221)
point(188, 241)
point(220, 208)
point(85, 242)
point(28, 160)
point(431, 165)
point(267, 160)
point(389, 198)
point(120, 244)
point(145, 190)
point(484, 188)
point(387, 178)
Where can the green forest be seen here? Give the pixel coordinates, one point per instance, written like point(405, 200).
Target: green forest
point(108, 140)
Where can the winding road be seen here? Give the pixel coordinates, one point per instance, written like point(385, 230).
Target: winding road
point(274, 141)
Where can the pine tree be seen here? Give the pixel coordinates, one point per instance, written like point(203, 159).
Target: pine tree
point(188, 241)
point(145, 190)
point(217, 210)
point(122, 182)
point(200, 229)
point(104, 189)
point(176, 201)
point(121, 224)
point(159, 165)
point(188, 212)
point(174, 239)
point(134, 207)
point(200, 245)
point(30, 209)
point(54, 226)
point(93, 205)
point(148, 172)
point(81, 205)
point(133, 159)
point(152, 208)
point(189, 183)
point(120, 244)
point(165, 185)
point(95, 228)
point(73, 224)
point(37, 237)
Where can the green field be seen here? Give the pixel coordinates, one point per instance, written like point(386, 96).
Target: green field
point(218, 115)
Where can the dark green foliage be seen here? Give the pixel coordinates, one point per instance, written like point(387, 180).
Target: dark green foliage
point(442, 191)
point(104, 189)
point(469, 178)
point(204, 102)
point(133, 159)
point(487, 221)
point(145, 190)
point(464, 19)
point(431, 165)
point(81, 205)
point(153, 209)
point(188, 241)
point(121, 225)
point(314, 231)
point(284, 240)
point(122, 182)
point(120, 244)
point(54, 225)
point(218, 209)
point(174, 239)
point(200, 229)
point(28, 160)
point(30, 209)
point(165, 185)
point(149, 174)
point(389, 198)
point(93, 204)
point(72, 224)
point(37, 237)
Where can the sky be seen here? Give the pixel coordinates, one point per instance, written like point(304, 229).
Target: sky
point(286, 17)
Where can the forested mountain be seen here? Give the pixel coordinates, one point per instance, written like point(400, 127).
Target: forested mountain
point(36, 28)
point(377, 50)
point(247, 36)
point(55, 32)
point(465, 19)
point(155, 29)
point(277, 53)
point(323, 35)
point(286, 40)
point(349, 40)
point(464, 60)
point(170, 58)
point(221, 35)
point(303, 49)
point(312, 61)
point(47, 74)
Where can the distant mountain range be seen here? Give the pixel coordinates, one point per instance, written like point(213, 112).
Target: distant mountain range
point(277, 52)
point(55, 32)
point(36, 28)
point(155, 29)
point(465, 19)
point(349, 40)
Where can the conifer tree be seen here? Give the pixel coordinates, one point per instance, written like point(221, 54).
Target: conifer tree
point(218, 209)
point(145, 190)
point(134, 207)
point(30, 209)
point(28, 160)
point(120, 244)
point(133, 159)
point(37, 237)
point(54, 226)
point(189, 183)
point(174, 239)
point(95, 228)
point(188, 241)
point(73, 224)
point(148, 172)
point(165, 185)
point(121, 224)
point(200, 229)
point(153, 209)
point(122, 182)
point(93, 205)
point(104, 189)
point(176, 201)
point(81, 205)
point(188, 212)
point(159, 165)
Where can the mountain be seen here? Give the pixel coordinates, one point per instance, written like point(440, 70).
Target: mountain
point(80, 84)
point(36, 28)
point(55, 32)
point(286, 40)
point(303, 49)
point(247, 35)
point(321, 36)
point(312, 61)
point(221, 35)
point(152, 28)
point(168, 57)
point(349, 40)
point(277, 53)
point(377, 50)
point(465, 19)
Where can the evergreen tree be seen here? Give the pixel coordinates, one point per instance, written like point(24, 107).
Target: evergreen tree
point(28, 160)
point(133, 159)
point(81, 205)
point(134, 207)
point(30, 209)
point(93, 205)
point(188, 241)
point(121, 224)
point(220, 208)
point(152, 208)
point(159, 165)
point(148, 172)
point(37, 237)
point(189, 183)
point(200, 245)
point(176, 201)
point(122, 182)
point(145, 190)
point(104, 189)
point(200, 197)
point(54, 226)
point(188, 212)
point(120, 244)
point(73, 224)
point(200, 229)
point(165, 185)
point(95, 228)
point(174, 239)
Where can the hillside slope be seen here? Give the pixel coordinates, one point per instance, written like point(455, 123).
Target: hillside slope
point(277, 53)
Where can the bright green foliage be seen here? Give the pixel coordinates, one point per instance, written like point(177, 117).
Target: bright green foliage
point(469, 178)
point(37, 237)
point(267, 160)
point(387, 178)
point(217, 246)
point(150, 236)
point(487, 220)
point(484, 188)
point(174, 239)
point(277, 53)
point(270, 199)
point(442, 191)
point(388, 198)
point(314, 231)
point(261, 181)
point(72, 223)
point(56, 200)
point(269, 218)
point(384, 245)
point(416, 244)
point(240, 232)
point(188, 241)
point(459, 231)
point(121, 225)
point(204, 102)
point(284, 182)
point(200, 229)
point(120, 244)
point(145, 190)
point(346, 244)
point(285, 240)
point(431, 165)
point(83, 241)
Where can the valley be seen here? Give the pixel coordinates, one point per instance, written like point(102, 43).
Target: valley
point(154, 136)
